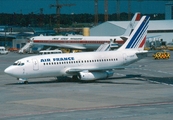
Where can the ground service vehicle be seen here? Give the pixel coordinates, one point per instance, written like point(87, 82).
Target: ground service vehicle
point(3, 50)
point(43, 52)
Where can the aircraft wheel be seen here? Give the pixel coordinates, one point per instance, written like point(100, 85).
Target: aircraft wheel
point(75, 77)
point(25, 82)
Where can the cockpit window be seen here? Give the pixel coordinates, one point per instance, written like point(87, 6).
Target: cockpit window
point(18, 63)
point(15, 64)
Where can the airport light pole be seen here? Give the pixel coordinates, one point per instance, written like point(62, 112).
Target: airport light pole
point(5, 36)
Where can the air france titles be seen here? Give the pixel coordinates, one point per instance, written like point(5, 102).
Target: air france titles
point(63, 59)
point(57, 59)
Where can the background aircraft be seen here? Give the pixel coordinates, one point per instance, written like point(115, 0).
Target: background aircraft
point(85, 65)
point(83, 42)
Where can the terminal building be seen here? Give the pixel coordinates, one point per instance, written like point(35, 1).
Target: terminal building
point(169, 11)
point(17, 37)
point(158, 29)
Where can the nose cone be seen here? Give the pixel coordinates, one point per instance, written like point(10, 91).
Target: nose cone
point(12, 71)
point(15, 71)
point(8, 71)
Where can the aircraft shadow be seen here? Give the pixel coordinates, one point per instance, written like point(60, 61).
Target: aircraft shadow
point(165, 80)
point(48, 81)
point(112, 80)
point(70, 80)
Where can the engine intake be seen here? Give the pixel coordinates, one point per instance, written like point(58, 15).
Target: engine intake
point(86, 76)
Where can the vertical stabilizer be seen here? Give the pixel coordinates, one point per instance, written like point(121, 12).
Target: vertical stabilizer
point(137, 39)
point(132, 24)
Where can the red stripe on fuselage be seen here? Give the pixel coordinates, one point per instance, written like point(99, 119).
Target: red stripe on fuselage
point(77, 41)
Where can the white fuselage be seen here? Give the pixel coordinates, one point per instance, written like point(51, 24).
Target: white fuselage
point(60, 64)
point(86, 65)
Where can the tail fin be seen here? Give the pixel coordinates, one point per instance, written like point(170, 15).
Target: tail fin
point(137, 39)
point(132, 24)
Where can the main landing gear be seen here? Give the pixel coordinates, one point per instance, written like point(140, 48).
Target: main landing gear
point(23, 80)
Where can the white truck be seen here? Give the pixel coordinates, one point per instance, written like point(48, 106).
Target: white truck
point(43, 52)
point(2, 50)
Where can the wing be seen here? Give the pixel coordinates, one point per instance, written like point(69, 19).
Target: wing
point(71, 46)
point(78, 70)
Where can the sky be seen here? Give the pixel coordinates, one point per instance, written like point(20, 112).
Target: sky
point(81, 6)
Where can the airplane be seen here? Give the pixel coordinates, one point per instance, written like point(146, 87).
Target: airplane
point(84, 66)
point(85, 42)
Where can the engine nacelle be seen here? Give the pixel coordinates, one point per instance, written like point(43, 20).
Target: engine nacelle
point(94, 75)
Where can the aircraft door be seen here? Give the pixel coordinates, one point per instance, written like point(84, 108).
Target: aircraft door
point(124, 58)
point(23, 70)
point(35, 64)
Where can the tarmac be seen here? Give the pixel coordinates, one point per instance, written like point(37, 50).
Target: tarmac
point(142, 91)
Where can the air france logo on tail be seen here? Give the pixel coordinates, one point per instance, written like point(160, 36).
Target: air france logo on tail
point(139, 37)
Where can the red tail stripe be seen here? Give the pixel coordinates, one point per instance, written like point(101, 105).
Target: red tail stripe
point(138, 17)
point(142, 43)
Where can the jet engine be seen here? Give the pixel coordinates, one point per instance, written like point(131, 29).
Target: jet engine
point(87, 76)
